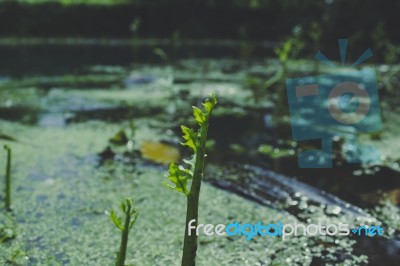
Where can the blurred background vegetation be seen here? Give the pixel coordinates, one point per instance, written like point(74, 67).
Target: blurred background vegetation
point(371, 22)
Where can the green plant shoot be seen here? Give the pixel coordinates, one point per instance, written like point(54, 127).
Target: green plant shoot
point(8, 179)
point(179, 175)
point(287, 51)
point(131, 215)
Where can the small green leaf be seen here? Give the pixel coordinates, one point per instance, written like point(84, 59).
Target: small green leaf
point(136, 214)
point(198, 115)
point(116, 220)
point(191, 138)
point(124, 207)
point(129, 202)
point(178, 175)
point(210, 103)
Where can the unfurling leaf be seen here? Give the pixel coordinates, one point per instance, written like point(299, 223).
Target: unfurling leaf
point(136, 214)
point(191, 138)
point(116, 220)
point(199, 115)
point(126, 206)
point(210, 103)
point(130, 218)
point(179, 177)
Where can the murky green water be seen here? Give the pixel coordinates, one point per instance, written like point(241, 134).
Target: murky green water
point(62, 118)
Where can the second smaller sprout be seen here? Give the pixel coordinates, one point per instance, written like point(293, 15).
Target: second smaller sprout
point(8, 179)
point(131, 215)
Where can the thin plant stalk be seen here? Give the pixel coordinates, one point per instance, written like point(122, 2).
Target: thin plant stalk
point(190, 241)
point(179, 176)
point(124, 241)
point(130, 218)
point(8, 179)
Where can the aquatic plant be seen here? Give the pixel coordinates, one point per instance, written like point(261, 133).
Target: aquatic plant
point(276, 154)
point(289, 49)
point(7, 199)
point(131, 215)
point(255, 85)
point(134, 27)
point(7, 228)
point(179, 175)
point(161, 54)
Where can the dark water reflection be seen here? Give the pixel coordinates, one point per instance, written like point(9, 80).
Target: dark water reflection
point(30, 60)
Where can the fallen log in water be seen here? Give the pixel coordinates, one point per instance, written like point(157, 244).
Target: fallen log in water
point(272, 189)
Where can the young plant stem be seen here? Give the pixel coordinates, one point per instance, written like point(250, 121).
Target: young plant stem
point(282, 89)
point(131, 215)
point(179, 176)
point(8, 179)
point(190, 241)
point(124, 238)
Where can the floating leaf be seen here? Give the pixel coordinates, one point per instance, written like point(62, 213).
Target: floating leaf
point(120, 138)
point(159, 152)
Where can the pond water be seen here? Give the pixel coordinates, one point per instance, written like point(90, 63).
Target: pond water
point(61, 104)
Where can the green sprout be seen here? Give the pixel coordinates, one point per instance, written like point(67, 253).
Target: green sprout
point(161, 54)
point(287, 51)
point(6, 233)
point(131, 215)
point(276, 154)
point(8, 179)
point(179, 175)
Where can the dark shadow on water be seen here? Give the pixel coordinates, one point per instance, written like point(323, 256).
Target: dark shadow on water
point(32, 60)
